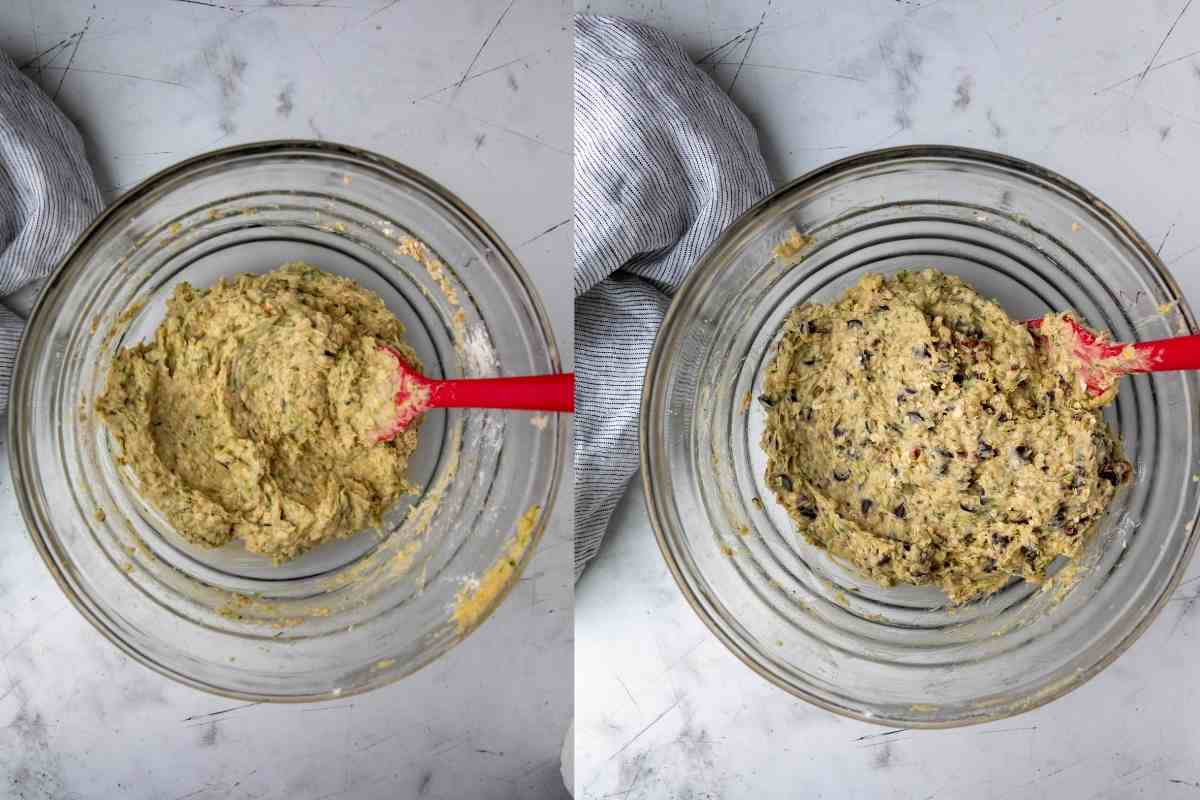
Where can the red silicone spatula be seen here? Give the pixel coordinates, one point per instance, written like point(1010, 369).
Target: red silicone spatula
point(1103, 362)
point(416, 394)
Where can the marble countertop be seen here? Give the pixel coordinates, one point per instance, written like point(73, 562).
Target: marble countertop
point(474, 94)
point(1107, 93)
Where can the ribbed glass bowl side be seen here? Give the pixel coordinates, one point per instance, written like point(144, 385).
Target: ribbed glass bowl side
point(1019, 234)
point(351, 615)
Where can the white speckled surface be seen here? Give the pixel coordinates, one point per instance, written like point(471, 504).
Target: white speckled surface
point(663, 709)
point(157, 81)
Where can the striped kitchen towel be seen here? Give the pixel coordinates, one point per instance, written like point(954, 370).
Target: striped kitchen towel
point(48, 195)
point(663, 163)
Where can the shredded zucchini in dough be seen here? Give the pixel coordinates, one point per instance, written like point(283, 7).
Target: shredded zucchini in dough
point(253, 412)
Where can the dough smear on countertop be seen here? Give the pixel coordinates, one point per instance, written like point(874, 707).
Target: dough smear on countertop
point(917, 432)
point(254, 411)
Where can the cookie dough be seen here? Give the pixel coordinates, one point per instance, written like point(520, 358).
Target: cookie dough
point(915, 431)
point(254, 412)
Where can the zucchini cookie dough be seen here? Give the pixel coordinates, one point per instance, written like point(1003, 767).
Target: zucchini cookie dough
point(254, 412)
point(917, 432)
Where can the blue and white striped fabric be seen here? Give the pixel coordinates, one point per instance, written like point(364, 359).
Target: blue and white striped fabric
point(48, 195)
point(663, 163)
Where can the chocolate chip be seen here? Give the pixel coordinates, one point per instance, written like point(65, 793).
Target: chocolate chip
point(959, 378)
point(784, 481)
point(838, 431)
point(883, 561)
point(854, 323)
point(935, 387)
point(841, 475)
point(1024, 453)
point(915, 417)
point(1115, 472)
point(864, 359)
point(811, 327)
point(808, 512)
point(985, 450)
point(900, 511)
point(1000, 540)
point(766, 401)
point(968, 509)
point(866, 506)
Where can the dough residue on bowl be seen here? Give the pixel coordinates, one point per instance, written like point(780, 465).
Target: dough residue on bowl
point(253, 412)
point(915, 431)
point(477, 597)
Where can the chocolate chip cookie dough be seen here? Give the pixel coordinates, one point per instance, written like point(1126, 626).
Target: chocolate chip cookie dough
point(917, 432)
point(253, 414)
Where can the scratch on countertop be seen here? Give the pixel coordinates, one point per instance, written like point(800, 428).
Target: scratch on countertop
point(800, 70)
point(1187, 252)
point(724, 46)
point(379, 10)
point(1137, 75)
point(1158, 50)
point(549, 230)
point(61, 43)
point(325, 708)
point(79, 38)
point(474, 75)
point(1009, 730)
point(746, 53)
point(88, 71)
point(685, 655)
point(221, 711)
point(640, 733)
point(211, 5)
point(623, 686)
point(878, 735)
point(483, 46)
point(1163, 243)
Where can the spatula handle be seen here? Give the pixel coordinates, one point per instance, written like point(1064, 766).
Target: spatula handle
point(524, 393)
point(1179, 352)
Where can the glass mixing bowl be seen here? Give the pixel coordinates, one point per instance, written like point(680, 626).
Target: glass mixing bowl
point(350, 615)
point(901, 656)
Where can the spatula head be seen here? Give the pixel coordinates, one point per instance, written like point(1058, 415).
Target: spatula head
point(412, 395)
point(1097, 362)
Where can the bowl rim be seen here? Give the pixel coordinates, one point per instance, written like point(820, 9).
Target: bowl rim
point(139, 190)
point(705, 264)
